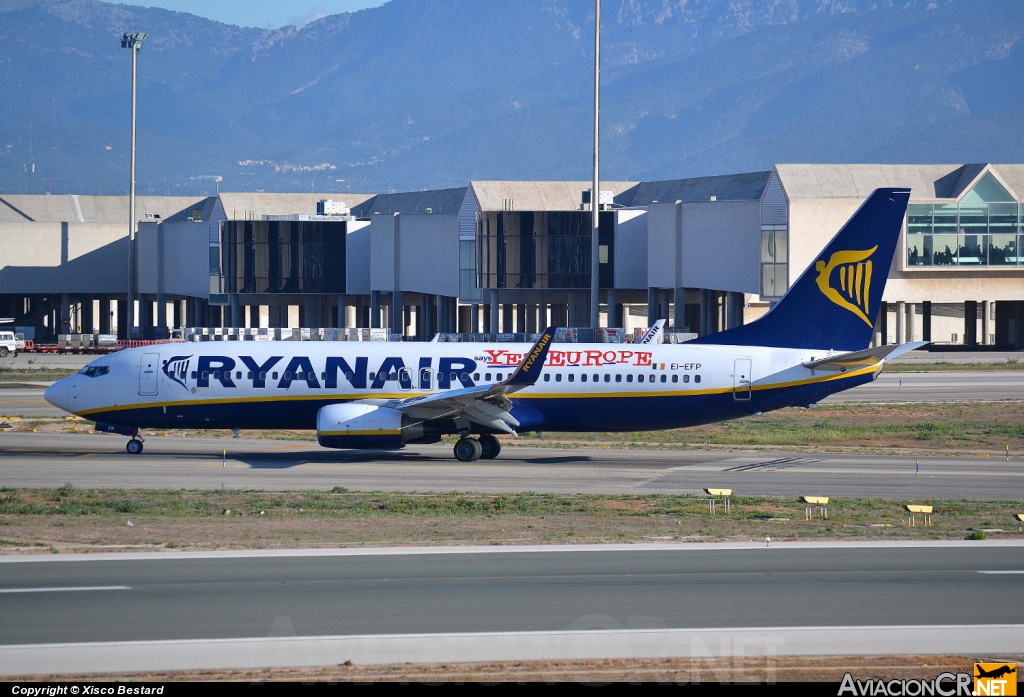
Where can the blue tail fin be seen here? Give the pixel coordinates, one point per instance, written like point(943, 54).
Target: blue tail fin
point(835, 303)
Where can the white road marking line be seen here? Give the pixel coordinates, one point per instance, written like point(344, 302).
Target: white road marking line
point(1001, 572)
point(65, 589)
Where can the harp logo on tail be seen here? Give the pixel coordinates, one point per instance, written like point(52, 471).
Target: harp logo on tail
point(846, 281)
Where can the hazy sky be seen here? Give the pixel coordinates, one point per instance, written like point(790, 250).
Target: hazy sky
point(261, 13)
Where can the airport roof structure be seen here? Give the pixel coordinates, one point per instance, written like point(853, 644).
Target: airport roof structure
point(439, 201)
point(730, 187)
point(948, 182)
point(253, 206)
point(540, 196)
point(110, 210)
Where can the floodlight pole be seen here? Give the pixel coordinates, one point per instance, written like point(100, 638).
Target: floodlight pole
point(134, 42)
point(595, 192)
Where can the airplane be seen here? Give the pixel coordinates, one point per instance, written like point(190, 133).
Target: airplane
point(995, 673)
point(384, 395)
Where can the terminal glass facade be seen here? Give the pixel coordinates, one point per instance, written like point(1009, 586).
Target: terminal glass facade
point(542, 249)
point(283, 256)
point(774, 261)
point(984, 229)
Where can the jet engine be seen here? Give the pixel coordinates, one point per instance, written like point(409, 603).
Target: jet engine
point(366, 426)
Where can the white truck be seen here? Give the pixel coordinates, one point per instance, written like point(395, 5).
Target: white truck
point(8, 344)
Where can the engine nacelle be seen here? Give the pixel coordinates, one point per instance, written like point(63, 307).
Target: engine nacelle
point(365, 426)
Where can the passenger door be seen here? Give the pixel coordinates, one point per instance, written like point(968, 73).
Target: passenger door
point(148, 368)
point(741, 379)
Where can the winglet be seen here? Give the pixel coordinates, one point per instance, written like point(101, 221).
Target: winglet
point(529, 370)
point(654, 335)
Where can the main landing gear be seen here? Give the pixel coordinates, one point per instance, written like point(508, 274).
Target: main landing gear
point(471, 449)
point(134, 446)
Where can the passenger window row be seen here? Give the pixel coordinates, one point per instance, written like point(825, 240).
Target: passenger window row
point(404, 376)
point(571, 377)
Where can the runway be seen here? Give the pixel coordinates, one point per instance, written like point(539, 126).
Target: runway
point(99, 461)
point(26, 402)
point(797, 594)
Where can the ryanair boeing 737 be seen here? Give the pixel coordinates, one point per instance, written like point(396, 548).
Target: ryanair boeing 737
point(813, 343)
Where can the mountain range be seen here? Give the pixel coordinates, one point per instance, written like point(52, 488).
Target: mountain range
point(432, 93)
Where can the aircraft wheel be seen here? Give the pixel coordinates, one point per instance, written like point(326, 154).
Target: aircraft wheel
point(491, 447)
point(468, 450)
point(134, 447)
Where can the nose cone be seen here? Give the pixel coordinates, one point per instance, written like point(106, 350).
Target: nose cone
point(57, 394)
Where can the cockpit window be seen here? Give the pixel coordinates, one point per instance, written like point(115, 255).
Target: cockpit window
point(94, 371)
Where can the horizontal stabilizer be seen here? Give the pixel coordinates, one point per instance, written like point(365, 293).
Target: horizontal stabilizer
point(865, 358)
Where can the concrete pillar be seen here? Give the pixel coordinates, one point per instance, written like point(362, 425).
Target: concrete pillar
point(986, 326)
point(521, 318)
point(236, 317)
point(705, 312)
point(970, 323)
point(104, 315)
point(122, 318)
point(579, 309)
point(901, 322)
point(679, 314)
point(397, 313)
point(734, 312)
point(559, 315)
point(342, 311)
point(653, 311)
point(87, 317)
point(494, 327)
point(441, 307)
point(312, 319)
point(911, 328)
point(65, 315)
point(926, 321)
point(375, 309)
point(506, 318)
point(611, 319)
point(161, 291)
point(474, 318)
point(531, 319)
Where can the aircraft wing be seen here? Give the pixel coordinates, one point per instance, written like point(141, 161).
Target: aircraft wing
point(486, 405)
point(862, 359)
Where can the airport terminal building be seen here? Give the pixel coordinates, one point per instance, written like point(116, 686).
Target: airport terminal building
point(705, 253)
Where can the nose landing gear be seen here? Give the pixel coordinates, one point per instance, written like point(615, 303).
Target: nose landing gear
point(134, 446)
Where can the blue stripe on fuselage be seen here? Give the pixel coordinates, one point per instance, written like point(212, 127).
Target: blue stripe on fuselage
point(639, 413)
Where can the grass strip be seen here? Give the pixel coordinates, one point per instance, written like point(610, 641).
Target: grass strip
point(8, 374)
point(243, 519)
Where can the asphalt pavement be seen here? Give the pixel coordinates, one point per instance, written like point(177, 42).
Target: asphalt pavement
point(936, 592)
point(100, 461)
point(969, 385)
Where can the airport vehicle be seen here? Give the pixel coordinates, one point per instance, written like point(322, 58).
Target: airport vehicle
point(8, 344)
point(813, 343)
